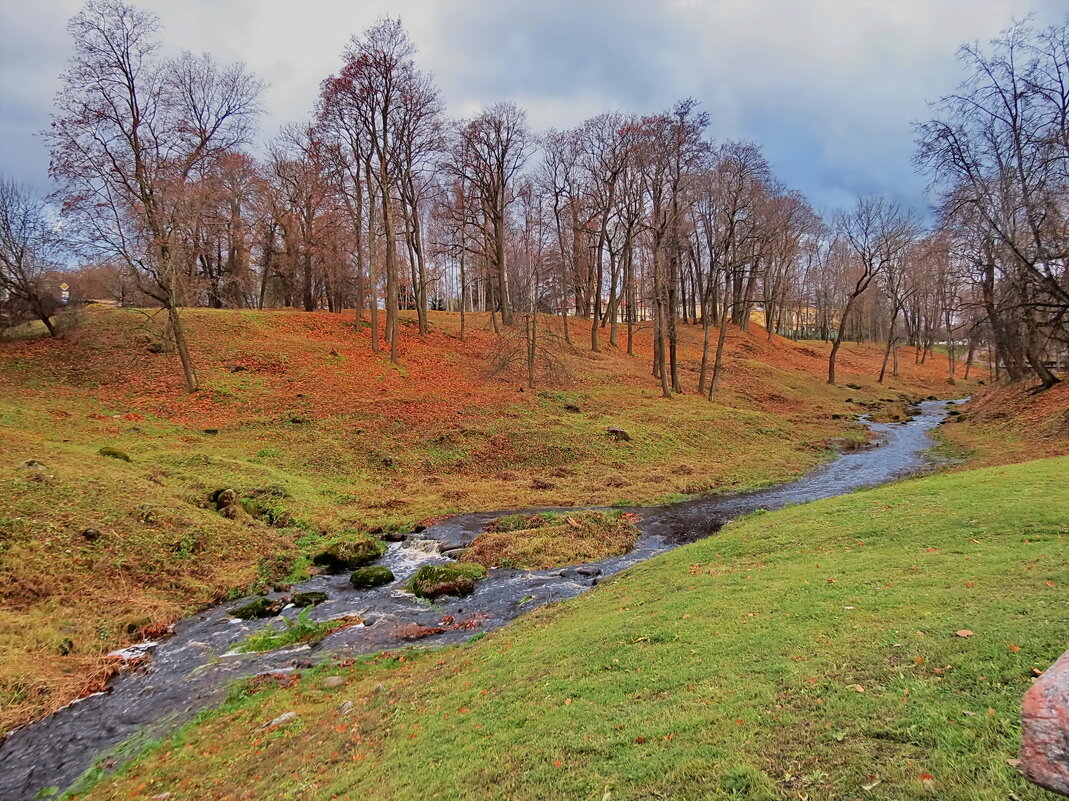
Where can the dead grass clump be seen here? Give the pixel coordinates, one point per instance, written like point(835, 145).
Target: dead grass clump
point(552, 539)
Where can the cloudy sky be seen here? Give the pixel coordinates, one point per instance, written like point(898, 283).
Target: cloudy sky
point(828, 88)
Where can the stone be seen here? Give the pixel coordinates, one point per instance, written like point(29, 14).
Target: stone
point(618, 434)
point(313, 598)
point(156, 347)
point(90, 534)
point(261, 607)
point(433, 581)
point(346, 708)
point(281, 720)
point(1045, 729)
point(224, 497)
point(350, 555)
point(333, 681)
point(364, 578)
point(114, 453)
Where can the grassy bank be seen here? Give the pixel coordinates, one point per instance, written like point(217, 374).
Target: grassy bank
point(1006, 424)
point(329, 439)
point(872, 646)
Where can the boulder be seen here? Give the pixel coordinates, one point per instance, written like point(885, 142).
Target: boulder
point(308, 598)
point(1045, 729)
point(261, 607)
point(350, 555)
point(457, 578)
point(364, 578)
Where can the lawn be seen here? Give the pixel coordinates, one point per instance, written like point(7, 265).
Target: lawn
point(873, 646)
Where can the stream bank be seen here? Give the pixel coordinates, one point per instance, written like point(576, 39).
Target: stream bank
point(191, 670)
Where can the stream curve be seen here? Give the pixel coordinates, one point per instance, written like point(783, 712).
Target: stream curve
point(191, 670)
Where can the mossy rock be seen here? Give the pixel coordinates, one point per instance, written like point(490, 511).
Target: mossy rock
point(350, 555)
point(375, 576)
point(457, 578)
point(114, 453)
point(261, 607)
point(308, 598)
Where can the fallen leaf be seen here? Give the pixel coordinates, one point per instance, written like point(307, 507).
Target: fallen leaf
point(964, 633)
point(858, 688)
point(1014, 648)
point(1013, 763)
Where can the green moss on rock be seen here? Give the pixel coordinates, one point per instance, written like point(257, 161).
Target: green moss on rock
point(457, 578)
point(308, 598)
point(350, 555)
point(375, 576)
point(261, 607)
point(114, 453)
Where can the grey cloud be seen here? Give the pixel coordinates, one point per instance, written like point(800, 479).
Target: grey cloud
point(828, 87)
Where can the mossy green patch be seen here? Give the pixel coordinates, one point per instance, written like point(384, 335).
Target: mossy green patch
point(350, 554)
point(453, 578)
point(374, 576)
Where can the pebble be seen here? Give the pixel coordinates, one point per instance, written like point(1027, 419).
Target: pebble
point(280, 720)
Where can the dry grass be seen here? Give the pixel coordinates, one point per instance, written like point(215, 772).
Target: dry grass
point(1008, 424)
point(539, 541)
point(298, 409)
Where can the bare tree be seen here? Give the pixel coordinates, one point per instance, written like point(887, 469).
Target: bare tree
point(879, 233)
point(999, 151)
point(131, 131)
point(29, 247)
point(489, 153)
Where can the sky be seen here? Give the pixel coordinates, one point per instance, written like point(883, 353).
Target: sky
point(828, 88)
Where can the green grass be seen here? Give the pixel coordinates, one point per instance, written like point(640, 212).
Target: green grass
point(808, 653)
point(294, 631)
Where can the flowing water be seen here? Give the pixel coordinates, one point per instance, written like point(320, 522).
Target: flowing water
point(190, 670)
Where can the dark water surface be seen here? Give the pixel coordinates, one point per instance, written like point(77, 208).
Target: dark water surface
point(190, 670)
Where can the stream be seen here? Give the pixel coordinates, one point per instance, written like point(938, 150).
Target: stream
point(191, 670)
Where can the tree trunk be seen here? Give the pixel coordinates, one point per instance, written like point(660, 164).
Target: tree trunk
point(179, 335)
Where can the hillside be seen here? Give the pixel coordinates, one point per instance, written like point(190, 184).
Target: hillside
point(873, 646)
point(329, 438)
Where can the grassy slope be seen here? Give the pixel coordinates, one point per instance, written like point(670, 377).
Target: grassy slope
point(1007, 424)
point(809, 653)
point(377, 445)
